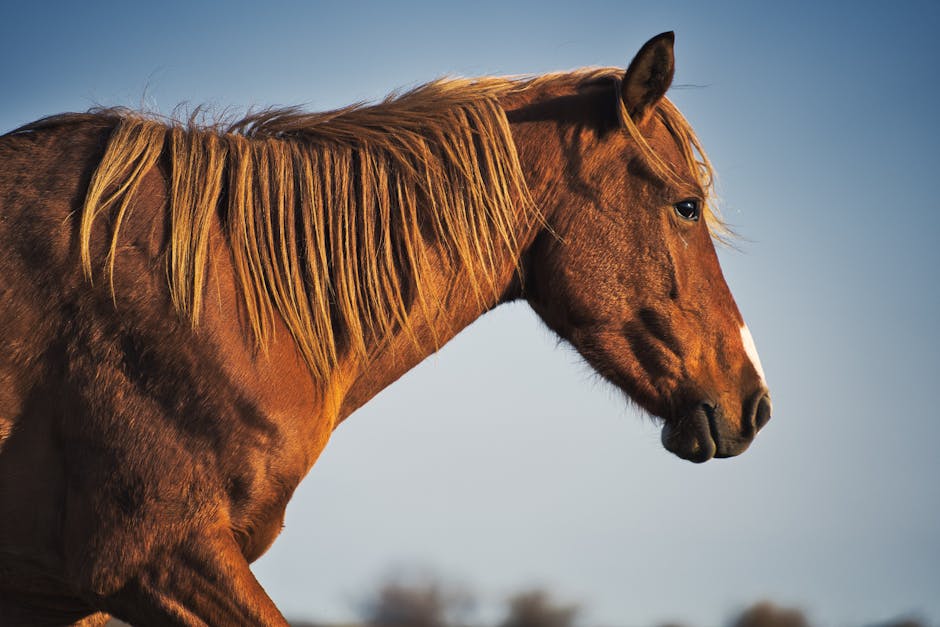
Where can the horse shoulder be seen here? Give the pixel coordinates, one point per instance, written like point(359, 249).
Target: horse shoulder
point(132, 423)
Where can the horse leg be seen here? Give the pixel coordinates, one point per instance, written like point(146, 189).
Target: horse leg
point(31, 610)
point(205, 581)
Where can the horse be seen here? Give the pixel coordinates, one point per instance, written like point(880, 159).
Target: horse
point(189, 308)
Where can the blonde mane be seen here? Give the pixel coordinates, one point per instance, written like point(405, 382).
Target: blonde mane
point(328, 215)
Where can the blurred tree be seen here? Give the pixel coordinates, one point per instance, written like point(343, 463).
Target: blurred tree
point(427, 604)
point(766, 614)
point(534, 608)
point(903, 622)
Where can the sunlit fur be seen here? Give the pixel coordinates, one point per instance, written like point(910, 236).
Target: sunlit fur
point(189, 309)
point(327, 214)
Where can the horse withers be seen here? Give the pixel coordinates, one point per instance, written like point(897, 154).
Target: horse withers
point(188, 310)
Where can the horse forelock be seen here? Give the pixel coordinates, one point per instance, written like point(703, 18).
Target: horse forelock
point(695, 175)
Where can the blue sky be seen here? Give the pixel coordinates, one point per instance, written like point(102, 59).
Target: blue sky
point(502, 461)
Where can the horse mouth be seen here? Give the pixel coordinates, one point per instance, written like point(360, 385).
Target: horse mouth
point(697, 436)
point(691, 437)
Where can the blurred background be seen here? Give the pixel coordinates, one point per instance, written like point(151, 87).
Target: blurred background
point(503, 463)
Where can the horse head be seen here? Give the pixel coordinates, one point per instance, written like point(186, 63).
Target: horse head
point(625, 266)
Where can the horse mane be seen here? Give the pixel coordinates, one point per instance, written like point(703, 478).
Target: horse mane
point(328, 215)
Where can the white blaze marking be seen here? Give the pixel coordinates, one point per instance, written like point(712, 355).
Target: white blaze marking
point(751, 351)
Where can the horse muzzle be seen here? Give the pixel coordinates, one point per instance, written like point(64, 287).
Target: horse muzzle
point(705, 430)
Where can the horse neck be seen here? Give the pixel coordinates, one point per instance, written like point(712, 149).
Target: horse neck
point(457, 304)
point(458, 301)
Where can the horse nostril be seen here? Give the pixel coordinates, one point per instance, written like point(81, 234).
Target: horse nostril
point(762, 412)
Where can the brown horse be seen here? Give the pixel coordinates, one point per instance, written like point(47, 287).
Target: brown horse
point(187, 311)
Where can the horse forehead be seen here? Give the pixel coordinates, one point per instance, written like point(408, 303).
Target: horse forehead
point(662, 141)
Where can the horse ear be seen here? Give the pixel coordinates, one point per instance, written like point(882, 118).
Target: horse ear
point(649, 76)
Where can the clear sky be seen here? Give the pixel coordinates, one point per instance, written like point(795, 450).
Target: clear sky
point(503, 461)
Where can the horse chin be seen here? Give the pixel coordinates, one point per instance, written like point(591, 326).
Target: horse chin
point(698, 436)
point(690, 438)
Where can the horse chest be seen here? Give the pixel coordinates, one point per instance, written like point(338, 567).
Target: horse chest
point(259, 487)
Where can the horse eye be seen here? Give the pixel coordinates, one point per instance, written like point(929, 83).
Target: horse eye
point(688, 210)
